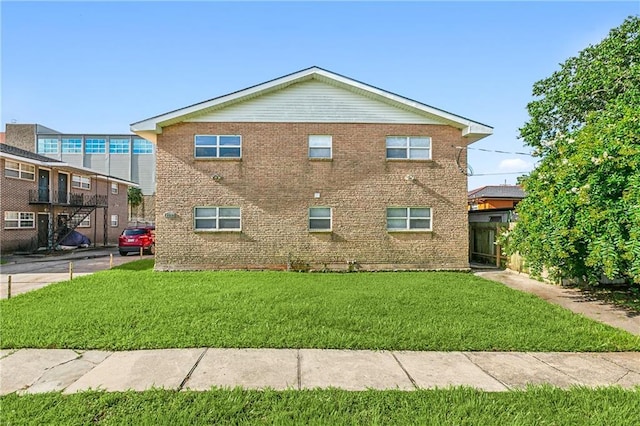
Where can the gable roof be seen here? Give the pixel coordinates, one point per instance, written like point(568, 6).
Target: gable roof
point(497, 191)
point(150, 127)
point(17, 154)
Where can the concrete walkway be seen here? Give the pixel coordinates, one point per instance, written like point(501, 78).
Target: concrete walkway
point(569, 298)
point(42, 370)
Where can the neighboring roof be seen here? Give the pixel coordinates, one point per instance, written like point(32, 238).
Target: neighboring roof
point(17, 154)
point(3, 137)
point(43, 129)
point(150, 127)
point(497, 191)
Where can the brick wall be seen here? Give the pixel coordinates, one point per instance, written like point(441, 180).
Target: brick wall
point(14, 194)
point(274, 184)
point(22, 136)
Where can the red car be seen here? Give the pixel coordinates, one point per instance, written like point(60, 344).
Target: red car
point(134, 237)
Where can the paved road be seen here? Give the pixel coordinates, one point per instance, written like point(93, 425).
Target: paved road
point(32, 273)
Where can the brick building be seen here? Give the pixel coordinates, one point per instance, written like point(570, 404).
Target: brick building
point(43, 199)
point(311, 170)
point(124, 156)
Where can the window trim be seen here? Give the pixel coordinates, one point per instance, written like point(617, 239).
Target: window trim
point(217, 219)
point(310, 147)
point(217, 146)
point(86, 222)
point(114, 224)
point(330, 229)
point(408, 148)
point(20, 170)
point(19, 220)
point(408, 219)
point(80, 178)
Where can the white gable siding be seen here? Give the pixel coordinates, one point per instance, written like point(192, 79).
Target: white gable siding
point(313, 101)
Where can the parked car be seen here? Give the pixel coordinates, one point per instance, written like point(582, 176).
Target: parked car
point(134, 237)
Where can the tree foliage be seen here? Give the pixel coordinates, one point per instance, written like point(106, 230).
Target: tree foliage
point(134, 196)
point(581, 216)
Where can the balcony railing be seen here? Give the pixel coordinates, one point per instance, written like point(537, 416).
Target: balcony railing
point(60, 198)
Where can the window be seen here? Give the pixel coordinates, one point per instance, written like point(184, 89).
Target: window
point(320, 219)
point(114, 188)
point(47, 146)
point(409, 219)
point(118, 146)
point(81, 182)
point(214, 146)
point(217, 218)
point(320, 146)
point(19, 170)
point(72, 146)
point(95, 146)
point(142, 146)
point(86, 222)
point(18, 220)
point(409, 147)
point(114, 220)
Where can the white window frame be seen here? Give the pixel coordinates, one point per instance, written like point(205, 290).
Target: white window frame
point(21, 220)
point(217, 217)
point(408, 148)
point(114, 220)
point(23, 170)
point(320, 143)
point(319, 218)
point(86, 222)
point(114, 188)
point(45, 145)
point(81, 182)
point(217, 146)
point(408, 216)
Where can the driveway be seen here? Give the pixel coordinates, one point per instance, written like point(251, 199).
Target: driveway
point(31, 273)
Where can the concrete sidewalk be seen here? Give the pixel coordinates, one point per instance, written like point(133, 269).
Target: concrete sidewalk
point(45, 370)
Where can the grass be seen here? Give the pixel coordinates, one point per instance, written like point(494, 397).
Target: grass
point(133, 307)
point(459, 406)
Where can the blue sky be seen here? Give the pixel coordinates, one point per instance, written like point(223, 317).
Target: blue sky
point(94, 67)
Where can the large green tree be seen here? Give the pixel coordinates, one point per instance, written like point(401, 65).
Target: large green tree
point(581, 216)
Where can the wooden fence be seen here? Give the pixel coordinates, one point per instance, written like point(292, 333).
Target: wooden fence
point(483, 243)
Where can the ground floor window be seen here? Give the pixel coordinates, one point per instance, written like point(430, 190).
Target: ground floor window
point(320, 219)
point(86, 222)
point(409, 219)
point(114, 220)
point(19, 220)
point(217, 218)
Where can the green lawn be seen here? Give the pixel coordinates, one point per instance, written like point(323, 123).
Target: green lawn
point(458, 406)
point(134, 308)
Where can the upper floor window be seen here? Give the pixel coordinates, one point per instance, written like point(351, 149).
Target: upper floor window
point(320, 146)
point(114, 187)
point(320, 219)
point(217, 146)
point(118, 146)
point(47, 145)
point(81, 182)
point(72, 145)
point(409, 147)
point(216, 218)
point(17, 220)
point(142, 146)
point(409, 219)
point(95, 146)
point(19, 170)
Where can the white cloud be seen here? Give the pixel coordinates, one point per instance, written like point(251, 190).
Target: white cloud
point(514, 165)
